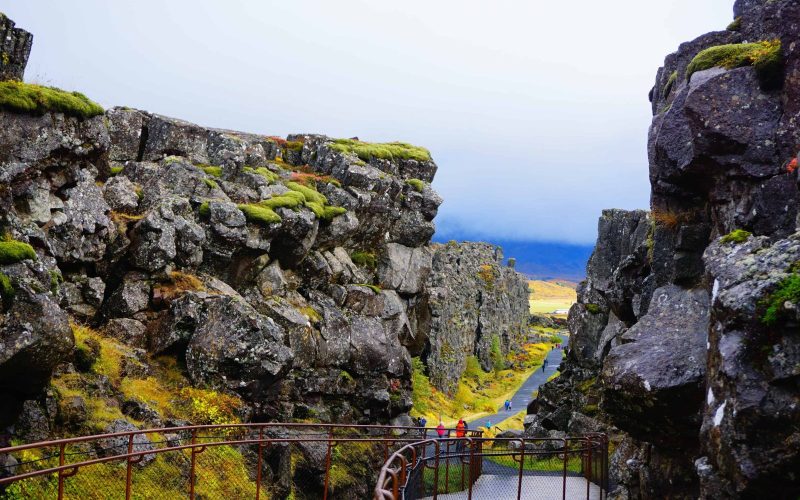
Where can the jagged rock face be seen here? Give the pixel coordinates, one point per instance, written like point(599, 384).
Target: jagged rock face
point(15, 47)
point(750, 420)
point(473, 299)
point(116, 205)
point(673, 359)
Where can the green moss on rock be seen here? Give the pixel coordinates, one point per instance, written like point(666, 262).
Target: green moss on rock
point(325, 212)
point(13, 251)
point(258, 214)
point(670, 83)
point(6, 289)
point(735, 25)
point(210, 169)
point(385, 151)
point(291, 199)
point(366, 259)
point(211, 183)
point(593, 308)
point(766, 57)
point(736, 236)
point(311, 194)
point(788, 290)
point(417, 184)
point(34, 99)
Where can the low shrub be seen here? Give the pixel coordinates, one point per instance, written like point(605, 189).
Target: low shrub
point(37, 100)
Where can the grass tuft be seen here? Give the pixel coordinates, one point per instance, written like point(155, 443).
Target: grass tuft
point(34, 99)
point(385, 151)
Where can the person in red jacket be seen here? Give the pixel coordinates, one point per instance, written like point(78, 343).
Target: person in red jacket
point(460, 433)
point(440, 430)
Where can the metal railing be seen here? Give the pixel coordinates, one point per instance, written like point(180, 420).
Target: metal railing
point(204, 461)
point(568, 468)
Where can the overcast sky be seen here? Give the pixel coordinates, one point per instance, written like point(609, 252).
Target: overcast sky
point(535, 111)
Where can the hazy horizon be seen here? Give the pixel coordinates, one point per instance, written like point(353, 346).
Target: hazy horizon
point(537, 115)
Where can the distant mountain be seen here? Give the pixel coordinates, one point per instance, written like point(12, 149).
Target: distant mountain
point(545, 260)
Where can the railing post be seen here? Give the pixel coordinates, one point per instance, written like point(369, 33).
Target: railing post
point(260, 460)
point(436, 471)
point(447, 468)
point(471, 464)
point(61, 472)
point(129, 470)
point(589, 467)
point(192, 467)
point(328, 463)
point(564, 476)
point(521, 469)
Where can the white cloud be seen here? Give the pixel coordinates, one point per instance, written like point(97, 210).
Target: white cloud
point(536, 112)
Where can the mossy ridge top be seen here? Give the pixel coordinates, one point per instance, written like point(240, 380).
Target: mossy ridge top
point(35, 99)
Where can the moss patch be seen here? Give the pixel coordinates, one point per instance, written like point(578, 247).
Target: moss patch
point(670, 83)
point(311, 194)
point(37, 100)
point(788, 290)
point(374, 288)
point(766, 57)
point(258, 214)
point(417, 184)
point(735, 25)
point(325, 212)
point(385, 151)
point(366, 259)
point(6, 289)
point(736, 236)
point(211, 183)
point(264, 172)
point(210, 169)
point(593, 308)
point(291, 199)
point(13, 251)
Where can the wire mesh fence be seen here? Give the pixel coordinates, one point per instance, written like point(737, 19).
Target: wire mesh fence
point(205, 462)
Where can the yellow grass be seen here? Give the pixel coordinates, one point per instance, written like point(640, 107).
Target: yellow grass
point(479, 393)
point(548, 296)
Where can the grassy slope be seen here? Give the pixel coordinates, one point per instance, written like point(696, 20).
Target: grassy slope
point(547, 296)
point(479, 393)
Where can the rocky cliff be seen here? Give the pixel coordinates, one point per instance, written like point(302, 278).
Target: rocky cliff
point(685, 338)
point(475, 302)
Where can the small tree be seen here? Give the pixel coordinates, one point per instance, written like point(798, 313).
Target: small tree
point(496, 355)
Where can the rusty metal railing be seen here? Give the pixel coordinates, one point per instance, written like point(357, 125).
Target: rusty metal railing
point(43, 469)
point(572, 467)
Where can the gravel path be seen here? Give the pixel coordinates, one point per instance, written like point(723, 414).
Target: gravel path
point(490, 487)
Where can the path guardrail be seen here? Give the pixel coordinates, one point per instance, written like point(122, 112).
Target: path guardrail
point(202, 461)
point(568, 468)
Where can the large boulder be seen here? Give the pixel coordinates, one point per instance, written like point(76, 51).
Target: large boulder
point(15, 47)
point(653, 382)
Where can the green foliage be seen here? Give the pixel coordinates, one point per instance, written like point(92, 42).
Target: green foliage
point(374, 288)
point(116, 170)
point(325, 212)
point(670, 83)
point(788, 290)
point(13, 251)
point(55, 280)
point(766, 57)
point(258, 214)
point(593, 308)
point(293, 145)
point(345, 375)
point(735, 25)
point(37, 100)
point(291, 199)
point(421, 387)
point(264, 172)
point(210, 407)
point(311, 194)
point(6, 289)
point(736, 236)
point(366, 259)
point(496, 354)
point(203, 209)
point(211, 183)
point(210, 169)
point(385, 151)
point(417, 184)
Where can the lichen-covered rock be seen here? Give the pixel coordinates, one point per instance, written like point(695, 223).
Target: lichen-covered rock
point(474, 301)
point(15, 47)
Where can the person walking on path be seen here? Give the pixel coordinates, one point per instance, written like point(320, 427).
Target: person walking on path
point(440, 430)
point(422, 423)
point(460, 433)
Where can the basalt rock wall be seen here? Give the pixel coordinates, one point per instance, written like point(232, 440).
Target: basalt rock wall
point(685, 336)
point(474, 300)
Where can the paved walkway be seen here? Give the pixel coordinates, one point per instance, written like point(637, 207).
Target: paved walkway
point(524, 395)
point(533, 487)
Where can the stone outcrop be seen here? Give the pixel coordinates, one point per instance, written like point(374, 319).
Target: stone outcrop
point(474, 300)
point(672, 350)
point(15, 47)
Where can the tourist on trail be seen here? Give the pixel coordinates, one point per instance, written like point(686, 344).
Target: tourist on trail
point(460, 433)
point(545, 362)
point(422, 423)
point(505, 405)
point(440, 430)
